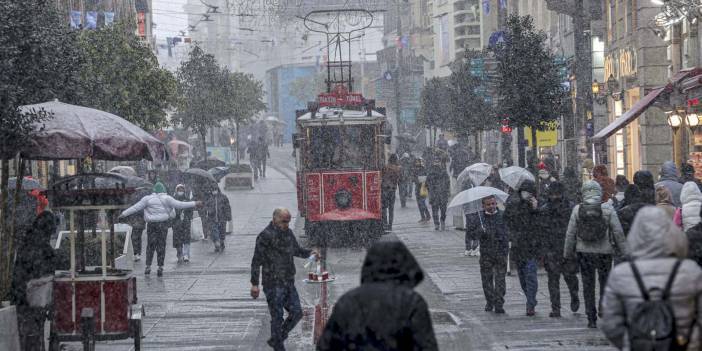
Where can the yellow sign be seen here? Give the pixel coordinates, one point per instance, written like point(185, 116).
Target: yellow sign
point(548, 137)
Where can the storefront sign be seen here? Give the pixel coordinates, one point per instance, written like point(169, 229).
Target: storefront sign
point(621, 63)
point(547, 137)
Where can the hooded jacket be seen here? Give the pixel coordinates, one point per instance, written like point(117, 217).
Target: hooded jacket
point(523, 223)
point(655, 244)
point(592, 194)
point(631, 205)
point(384, 313)
point(671, 180)
point(644, 180)
point(664, 201)
point(157, 207)
point(691, 199)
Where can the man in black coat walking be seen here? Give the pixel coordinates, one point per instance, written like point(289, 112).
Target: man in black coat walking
point(384, 313)
point(273, 256)
point(555, 215)
point(488, 227)
point(439, 185)
point(522, 217)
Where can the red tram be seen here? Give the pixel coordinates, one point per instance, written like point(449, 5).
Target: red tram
point(340, 152)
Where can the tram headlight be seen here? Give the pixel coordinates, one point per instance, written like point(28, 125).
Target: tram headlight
point(342, 199)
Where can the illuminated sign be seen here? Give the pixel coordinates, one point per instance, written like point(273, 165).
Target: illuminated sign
point(621, 63)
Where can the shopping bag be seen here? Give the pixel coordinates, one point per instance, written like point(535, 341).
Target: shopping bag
point(423, 191)
point(40, 291)
point(196, 231)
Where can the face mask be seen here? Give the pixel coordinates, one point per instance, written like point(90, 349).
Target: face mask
point(214, 192)
point(180, 193)
point(525, 195)
point(491, 212)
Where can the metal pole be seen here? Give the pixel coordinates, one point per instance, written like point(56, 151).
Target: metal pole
point(398, 75)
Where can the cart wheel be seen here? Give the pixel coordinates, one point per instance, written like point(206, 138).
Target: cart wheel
point(136, 333)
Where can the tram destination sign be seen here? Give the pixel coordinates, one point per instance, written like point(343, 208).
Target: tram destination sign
point(340, 96)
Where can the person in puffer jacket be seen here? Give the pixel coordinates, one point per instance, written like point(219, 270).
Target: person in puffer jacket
point(691, 199)
point(157, 209)
point(655, 244)
point(594, 257)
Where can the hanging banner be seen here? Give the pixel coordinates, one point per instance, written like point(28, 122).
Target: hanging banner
point(91, 19)
point(76, 19)
point(109, 18)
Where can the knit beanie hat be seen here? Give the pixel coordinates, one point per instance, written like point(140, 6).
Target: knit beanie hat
point(159, 188)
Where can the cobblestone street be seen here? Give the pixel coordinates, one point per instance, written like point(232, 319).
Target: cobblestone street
point(205, 305)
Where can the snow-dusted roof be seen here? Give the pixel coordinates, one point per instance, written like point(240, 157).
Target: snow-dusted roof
point(338, 116)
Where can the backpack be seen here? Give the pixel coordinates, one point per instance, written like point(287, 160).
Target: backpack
point(652, 324)
point(591, 224)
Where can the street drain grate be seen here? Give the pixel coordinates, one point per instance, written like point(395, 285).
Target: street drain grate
point(444, 317)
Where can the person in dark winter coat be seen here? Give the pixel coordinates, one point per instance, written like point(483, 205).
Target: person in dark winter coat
point(630, 206)
point(522, 216)
point(644, 180)
point(273, 260)
point(439, 185)
point(35, 259)
point(573, 185)
point(384, 313)
point(555, 214)
point(688, 175)
point(181, 225)
point(217, 214)
point(694, 238)
point(389, 183)
point(405, 184)
point(489, 228)
point(670, 179)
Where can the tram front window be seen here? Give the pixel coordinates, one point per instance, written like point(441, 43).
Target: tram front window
point(342, 147)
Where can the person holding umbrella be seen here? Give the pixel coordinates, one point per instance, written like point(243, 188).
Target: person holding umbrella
point(489, 228)
point(159, 209)
point(181, 226)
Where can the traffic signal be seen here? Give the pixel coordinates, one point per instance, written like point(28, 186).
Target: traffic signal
point(505, 128)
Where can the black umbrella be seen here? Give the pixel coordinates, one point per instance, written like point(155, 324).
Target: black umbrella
point(27, 184)
point(198, 175)
point(218, 172)
point(210, 162)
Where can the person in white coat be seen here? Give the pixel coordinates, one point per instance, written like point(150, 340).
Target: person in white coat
point(691, 199)
point(655, 245)
point(157, 209)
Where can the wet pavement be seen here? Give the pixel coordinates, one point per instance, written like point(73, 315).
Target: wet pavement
point(205, 304)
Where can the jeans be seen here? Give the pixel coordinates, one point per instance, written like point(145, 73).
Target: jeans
point(256, 164)
point(262, 167)
point(136, 239)
point(217, 232)
point(492, 272)
point(388, 202)
point(405, 188)
point(186, 250)
point(421, 203)
point(556, 266)
point(526, 268)
point(156, 234)
point(279, 298)
point(590, 264)
point(435, 208)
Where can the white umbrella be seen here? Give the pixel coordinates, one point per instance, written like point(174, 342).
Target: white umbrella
point(124, 170)
point(477, 173)
point(470, 201)
point(513, 176)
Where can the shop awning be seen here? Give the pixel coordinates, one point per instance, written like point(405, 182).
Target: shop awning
point(691, 83)
point(629, 116)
